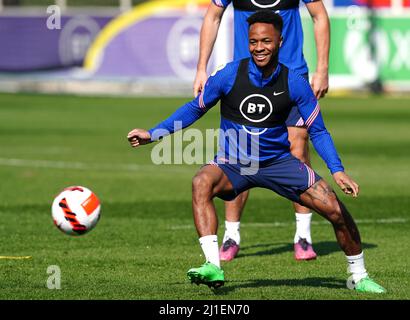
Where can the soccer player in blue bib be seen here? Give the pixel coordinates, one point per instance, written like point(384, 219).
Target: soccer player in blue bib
point(256, 97)
point(291, 54)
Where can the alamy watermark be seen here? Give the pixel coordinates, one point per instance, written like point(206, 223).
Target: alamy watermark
point(54, 17)
point(193, 146)
point(54, 280)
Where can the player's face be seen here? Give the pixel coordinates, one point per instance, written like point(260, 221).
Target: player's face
point(264, 43)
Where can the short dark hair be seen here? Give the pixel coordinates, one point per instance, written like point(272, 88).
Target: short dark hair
point(266, 16)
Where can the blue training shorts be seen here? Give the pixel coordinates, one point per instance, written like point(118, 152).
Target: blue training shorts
point(288, 177)
point(295, 119)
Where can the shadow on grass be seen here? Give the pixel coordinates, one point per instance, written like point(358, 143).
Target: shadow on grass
point(322, 248)
point(316, 282)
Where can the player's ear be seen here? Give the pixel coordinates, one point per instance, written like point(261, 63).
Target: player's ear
point(280, 42)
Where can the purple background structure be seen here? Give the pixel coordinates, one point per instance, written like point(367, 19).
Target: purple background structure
point(156, 46)
point(26, 44)
point(159, 46)
point(138, 50)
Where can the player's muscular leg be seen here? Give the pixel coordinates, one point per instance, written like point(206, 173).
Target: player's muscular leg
point(321, 198)
point(299, 147)
point(209, 182)
point(234, 208)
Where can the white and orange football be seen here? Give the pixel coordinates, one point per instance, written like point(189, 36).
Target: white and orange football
point(76, 210)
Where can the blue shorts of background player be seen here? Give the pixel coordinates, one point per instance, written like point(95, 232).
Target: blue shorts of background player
point(295, 119)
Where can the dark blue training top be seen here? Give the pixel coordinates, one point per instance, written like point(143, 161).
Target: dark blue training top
point(272, 142)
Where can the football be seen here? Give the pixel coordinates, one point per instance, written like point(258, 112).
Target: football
point(76, 210)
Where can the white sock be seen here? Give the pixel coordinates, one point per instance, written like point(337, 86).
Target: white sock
point(232, 231)
point(209, 245)
point(356, 267)
point(303, 227)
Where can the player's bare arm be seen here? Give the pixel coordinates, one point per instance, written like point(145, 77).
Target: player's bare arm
point(209, 32)
point(138, 137)
point(320, 79)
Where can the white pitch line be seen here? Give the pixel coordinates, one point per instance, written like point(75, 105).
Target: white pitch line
point(49, 164)
point(287, 224)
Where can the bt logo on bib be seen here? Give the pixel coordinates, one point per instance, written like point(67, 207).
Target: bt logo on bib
point(256, 108)
point(252, 107)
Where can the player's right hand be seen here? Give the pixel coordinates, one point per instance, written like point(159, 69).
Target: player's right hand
point(199, 83)
point(138, 137)
point(347, 184)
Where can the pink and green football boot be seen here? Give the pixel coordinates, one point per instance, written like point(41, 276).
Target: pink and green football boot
point(208, 274)
point(228, 250)
point(367, 285)
point(304, 250)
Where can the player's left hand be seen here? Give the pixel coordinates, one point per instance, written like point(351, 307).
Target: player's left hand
point(320, 84)
point(347, 184)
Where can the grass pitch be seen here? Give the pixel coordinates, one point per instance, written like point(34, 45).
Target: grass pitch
point(145, 241)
